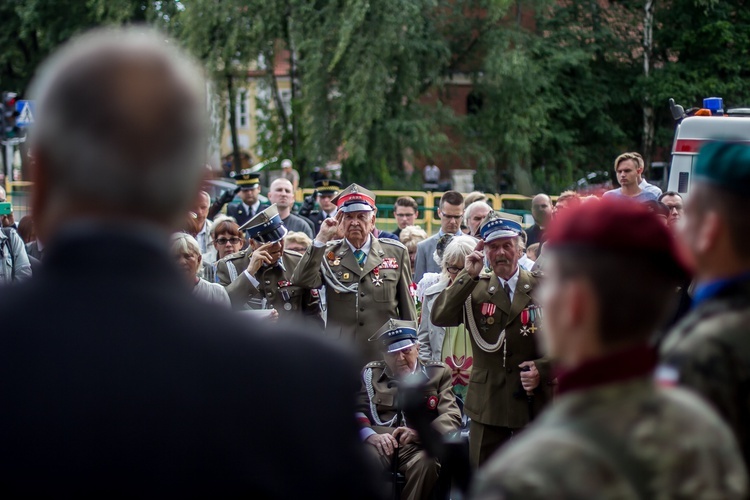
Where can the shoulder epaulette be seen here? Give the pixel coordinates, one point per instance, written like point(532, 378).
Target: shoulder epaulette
point(393, 242)
point(537, 274)
point(436, 363)
point(375, 364)
point(236, 255)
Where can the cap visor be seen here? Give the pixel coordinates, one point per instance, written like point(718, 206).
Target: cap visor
point(400, 345)
point(496, 235)
point(356, 207)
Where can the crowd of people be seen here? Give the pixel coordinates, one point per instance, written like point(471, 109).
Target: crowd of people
point(601, 352)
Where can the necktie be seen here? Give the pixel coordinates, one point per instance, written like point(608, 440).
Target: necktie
point(360, 256)
point(507, 292)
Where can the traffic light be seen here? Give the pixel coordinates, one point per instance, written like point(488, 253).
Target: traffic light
point(9, 115)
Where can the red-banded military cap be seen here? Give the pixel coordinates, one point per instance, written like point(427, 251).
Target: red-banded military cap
point(355, 198)
point(620, 227)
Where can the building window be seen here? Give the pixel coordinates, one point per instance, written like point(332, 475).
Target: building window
point(243, 109)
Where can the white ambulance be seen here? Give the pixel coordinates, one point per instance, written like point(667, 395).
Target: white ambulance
point(697, 127)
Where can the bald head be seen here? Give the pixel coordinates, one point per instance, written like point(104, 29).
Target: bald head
point(541, 209)
point(120, 128)
point(281, 192)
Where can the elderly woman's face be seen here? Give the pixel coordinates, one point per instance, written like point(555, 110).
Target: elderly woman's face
point(454, 268)
point(188, 262)
point(226, 244)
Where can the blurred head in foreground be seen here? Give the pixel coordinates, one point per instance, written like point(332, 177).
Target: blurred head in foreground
point(120, 132)
point(610, 276)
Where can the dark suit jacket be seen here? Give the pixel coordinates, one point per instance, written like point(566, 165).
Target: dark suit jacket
point(127, 385)
point(241, 215)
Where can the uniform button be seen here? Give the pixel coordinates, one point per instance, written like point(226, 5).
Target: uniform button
point(509, 370)
point(361, 324)
point(460, 281)
point(361, 294)
point(269, 294)
point(361, 308)
point(379, 400)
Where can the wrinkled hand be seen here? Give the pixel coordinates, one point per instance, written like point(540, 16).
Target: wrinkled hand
point(384, 443)
point(8, 220)
point(329, 230)
point(529, 379)
point(404, 435)
point(475, 260)
point(259, 257)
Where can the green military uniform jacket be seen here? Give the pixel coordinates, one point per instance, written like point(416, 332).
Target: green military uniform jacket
point(272, 281)
point(495, 396)
point(626, 441)
point(709, 352)
point(439, 399)
point(359, 301)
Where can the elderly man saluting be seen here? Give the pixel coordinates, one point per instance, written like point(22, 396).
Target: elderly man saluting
point(382, 424)
point(367, 279)
point(510, 381)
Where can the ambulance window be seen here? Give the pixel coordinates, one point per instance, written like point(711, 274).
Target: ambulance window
point(682, 185)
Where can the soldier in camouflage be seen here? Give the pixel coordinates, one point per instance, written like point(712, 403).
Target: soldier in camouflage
point(709, 350)
point(613, 433)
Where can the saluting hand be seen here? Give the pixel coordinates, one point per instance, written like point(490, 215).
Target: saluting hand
point(259, 257)
point(384, 443)
point(329, 230)
point(475, 260)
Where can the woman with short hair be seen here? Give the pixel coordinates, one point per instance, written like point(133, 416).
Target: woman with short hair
point(451, 345)
point(187, 254)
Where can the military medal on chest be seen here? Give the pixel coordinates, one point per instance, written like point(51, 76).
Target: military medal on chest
point(488, 311)
point(529, 317)
point(376, 279)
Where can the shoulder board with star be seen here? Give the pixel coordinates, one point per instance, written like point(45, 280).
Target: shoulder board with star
point(436, 364)
point(391, 241)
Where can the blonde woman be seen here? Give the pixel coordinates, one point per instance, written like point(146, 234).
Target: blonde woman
point(451, 345)
point(187, 255)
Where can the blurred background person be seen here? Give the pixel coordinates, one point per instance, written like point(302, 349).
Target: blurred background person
point(203, 236)
point(189, 260)
point(290, 174)
point(541, 211)
point(675, 203)
point(451, 212)
point(450, 344)
point(250, 204)
point(163, 393)
point(214, 252)
point(26, 229)
point(659, 209)
point(15, 266)
point(475, 196)
point(281, 194)
point(524, 261)
point(406, 211)
point(295, 241)
point(629, 169)
point(567, 199)
point(6, 220)
point(475, 214)
point(533, 251)
point(410, 236)
point(327, 189)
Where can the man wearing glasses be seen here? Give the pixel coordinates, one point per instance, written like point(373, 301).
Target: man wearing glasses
point(405, 211)
point(450, 211)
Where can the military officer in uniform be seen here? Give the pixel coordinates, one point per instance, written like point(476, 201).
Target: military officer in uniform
point(367, 279)
point(260, 276)
point(612, 433)
point(510, 382)
point(327, 190)
point(250, 206)
point(383, 426)
point(709, 349)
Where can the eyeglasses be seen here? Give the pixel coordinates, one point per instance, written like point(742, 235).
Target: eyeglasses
point(454, 269)
point(224, 241)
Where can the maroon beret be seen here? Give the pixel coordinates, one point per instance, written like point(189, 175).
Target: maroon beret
point(617, 226)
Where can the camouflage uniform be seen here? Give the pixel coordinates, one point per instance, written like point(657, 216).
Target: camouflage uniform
point(709, 352)
point(624, 440)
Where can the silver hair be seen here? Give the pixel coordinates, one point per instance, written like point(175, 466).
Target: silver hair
point(120, 123)
point(457, 249)
point(183, 242)
point(470, 210)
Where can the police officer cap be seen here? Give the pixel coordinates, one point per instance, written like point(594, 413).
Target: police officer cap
point(327, 186)
point(246, 179)
point(396, 335)
point(355, 198)
point(621, 228)
point(500, 225)
point(266, 226)
point(725, 165)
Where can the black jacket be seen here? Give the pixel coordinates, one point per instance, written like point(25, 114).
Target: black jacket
point(115, 380)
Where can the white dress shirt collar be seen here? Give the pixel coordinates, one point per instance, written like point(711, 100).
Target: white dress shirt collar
point(512, 282)
point(365, 248)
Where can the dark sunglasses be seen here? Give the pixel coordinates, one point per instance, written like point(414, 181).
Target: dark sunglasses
point(233, 241)
point(454, 269)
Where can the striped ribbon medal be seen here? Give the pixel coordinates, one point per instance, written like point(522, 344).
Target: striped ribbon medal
point(488, 310)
